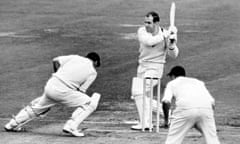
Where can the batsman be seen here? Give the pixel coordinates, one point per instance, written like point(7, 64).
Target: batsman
point(155, 44)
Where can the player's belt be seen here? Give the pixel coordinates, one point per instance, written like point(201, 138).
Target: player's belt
point(147, 61)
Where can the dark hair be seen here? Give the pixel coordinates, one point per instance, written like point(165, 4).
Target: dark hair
point(94, 57)
point(177, 71)
point(155, 16)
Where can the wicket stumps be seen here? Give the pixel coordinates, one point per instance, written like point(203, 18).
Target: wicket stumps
point(151, 79)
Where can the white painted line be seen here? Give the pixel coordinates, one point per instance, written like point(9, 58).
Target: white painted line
point(122, 131)
point(130, 25)
point(6, 34)
point(63, 121)
point(131, 122)
point(51, 30)
point(24, 36)
point(128, 36)
point(15, 35)
point(195, 31)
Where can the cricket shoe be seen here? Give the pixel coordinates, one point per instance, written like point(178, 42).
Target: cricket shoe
point(139, 127)
point(9, 127)
point(73, 132)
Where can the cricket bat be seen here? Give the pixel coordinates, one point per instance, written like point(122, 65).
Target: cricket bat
point(172, 19)
point(172, 14)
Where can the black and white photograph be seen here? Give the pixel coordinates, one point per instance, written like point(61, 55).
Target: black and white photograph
point(119, 71)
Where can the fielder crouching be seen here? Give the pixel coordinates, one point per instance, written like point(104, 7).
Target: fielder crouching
point(73, 75)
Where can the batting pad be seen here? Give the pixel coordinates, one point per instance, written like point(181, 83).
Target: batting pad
point(137, 86)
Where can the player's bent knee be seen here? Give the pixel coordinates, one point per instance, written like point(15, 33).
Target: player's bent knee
point(30, 112)
point(138, 97)
point(39, 111)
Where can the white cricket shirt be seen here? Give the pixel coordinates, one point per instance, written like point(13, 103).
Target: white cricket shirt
point(188, 93)
point(76, 71)
point(153, 47)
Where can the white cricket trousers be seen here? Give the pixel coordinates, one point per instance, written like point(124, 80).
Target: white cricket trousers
point(56, 91)
point(150, 69)
point(185, 119)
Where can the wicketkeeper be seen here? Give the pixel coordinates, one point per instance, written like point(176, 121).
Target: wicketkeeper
point(155, 44)
point(194, 107)
point(73, 75)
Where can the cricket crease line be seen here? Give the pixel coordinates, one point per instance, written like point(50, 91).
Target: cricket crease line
point(123, 131)
point(62, 121)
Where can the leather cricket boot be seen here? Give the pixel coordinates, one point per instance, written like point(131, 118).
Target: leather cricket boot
point(139, 127)
point(12, 126)
point(80, 114)
point(70, 130)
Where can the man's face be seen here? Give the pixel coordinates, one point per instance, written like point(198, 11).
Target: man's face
point(171, 77)
point(148, 22)
point(95, 63)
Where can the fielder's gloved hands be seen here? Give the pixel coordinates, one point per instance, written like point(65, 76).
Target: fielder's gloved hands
point(165, 126)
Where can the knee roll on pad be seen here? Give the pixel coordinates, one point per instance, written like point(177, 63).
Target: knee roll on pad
point(28, 113)
point(137, 86)
point(31, 113)
point(38, 110)
point(138, 97)
point(35, 101)
point(78, 112)
point(148, 84)
point(88, 107)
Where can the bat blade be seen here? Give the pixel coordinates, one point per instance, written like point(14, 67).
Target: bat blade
point(172, 14)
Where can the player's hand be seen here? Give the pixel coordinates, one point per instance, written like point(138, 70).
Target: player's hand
point(172, 30)
point(173, 38)
point(165, 125)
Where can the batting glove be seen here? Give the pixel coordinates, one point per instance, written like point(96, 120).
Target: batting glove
point(173, 38)
point(172, 30)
